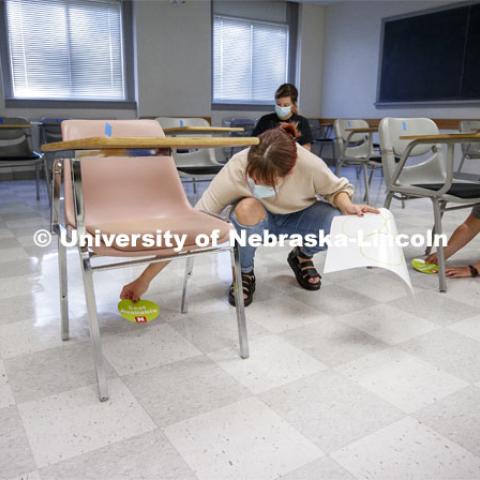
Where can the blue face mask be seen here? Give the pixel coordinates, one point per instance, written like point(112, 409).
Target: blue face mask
point(261, 191)
point(283, 112)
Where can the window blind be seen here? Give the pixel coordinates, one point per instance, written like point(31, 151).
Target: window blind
point(250, 60)
point(66, 49)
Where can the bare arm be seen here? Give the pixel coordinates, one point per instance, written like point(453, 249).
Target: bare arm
point(462, 235)
point(344, 204)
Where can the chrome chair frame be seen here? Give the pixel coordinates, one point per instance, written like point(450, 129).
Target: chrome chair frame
point(87, 255)
point(439, 198)
point(468, 126)
point(363, 162)
point(36, 162)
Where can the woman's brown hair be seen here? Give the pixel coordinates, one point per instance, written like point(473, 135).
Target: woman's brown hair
point(287, 90)
point(274, 156)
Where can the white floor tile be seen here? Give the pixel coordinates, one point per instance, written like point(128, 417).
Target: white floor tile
point(184, 389)
point(283, 314)
point(148, 457)
point(330, 410)
point(75, 422)
point(142, 348)
point(25, 337)
point(6, 395)
point(273, 362)
point(449, 351)
point(243, 440)
point(401, 379)
point(387, 323)
point(410, 450)
point(15, 455)
point(323, 469)
point(469, 327)
point(333, 342)
point(435, 307)
point(380, 285)
point(215, 330)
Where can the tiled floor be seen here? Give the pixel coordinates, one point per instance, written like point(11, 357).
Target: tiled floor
point(358, 381)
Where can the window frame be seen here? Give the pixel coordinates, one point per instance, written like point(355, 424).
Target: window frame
point(128, 59)
point(292, 29)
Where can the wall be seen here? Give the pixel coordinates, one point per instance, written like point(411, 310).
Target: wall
point(174, 58)
point(310, 53)
point(352, 44)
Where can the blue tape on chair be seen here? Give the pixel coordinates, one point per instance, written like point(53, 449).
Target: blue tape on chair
point(182, 123)
point(140, 152)
point(108, 129)
point(404, 125)
point(1, 120)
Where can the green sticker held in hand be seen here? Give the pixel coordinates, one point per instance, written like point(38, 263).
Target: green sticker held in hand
point(143, 311)
point(423, 267)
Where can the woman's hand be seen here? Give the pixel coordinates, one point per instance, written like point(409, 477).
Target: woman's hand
point(458, 272)
point(360, 210)
point(134, 290)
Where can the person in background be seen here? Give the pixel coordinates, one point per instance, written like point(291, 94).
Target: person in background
point(273, 186)
point(286, 111)
point(462, 235)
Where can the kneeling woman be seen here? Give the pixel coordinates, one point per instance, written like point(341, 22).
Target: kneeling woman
point(273, 186)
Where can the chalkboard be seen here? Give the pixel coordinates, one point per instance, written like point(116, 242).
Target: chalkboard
point(431, 57)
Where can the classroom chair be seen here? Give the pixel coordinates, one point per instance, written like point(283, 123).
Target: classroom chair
point(470, 151)
point(50, 131)
point(16, 148)
point(195, 166)
point(247, 124)
point(355, 149)
point(118, 193)
point(322, 137)
point(431, 178)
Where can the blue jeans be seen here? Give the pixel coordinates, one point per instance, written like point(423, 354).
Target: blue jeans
point(311, 220)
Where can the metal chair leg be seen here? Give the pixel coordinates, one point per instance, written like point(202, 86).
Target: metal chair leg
point(462, 161)
point(388, 200)
point(338, 167)
point(48, 179)
point(186, 278)
point(239, 305)
point(63, 280)
point(365, 181)
point(94, 328)
point(37, 180)
point(442, 277)
point(428, 250)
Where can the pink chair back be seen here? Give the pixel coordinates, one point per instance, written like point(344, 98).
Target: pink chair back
point(122, 187)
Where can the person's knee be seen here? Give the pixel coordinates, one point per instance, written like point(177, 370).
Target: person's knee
point(249, 211)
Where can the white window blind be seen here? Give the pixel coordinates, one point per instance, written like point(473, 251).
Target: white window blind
point(250, 60)
point(66, 49)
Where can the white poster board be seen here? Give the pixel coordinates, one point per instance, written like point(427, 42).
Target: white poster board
point(367, 241)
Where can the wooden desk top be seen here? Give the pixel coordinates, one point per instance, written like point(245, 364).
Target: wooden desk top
point(124, 143)
point(362, 130)
point(442, 137)
point(11, 126)
point(173, 130)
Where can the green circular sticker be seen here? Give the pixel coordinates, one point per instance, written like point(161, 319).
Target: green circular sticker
point(143, 311)
point(423, 267)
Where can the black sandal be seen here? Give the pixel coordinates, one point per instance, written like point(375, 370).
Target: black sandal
point(248, 284)
point(304, 271)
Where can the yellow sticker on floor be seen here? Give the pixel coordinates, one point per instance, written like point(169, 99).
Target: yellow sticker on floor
point(143, 311)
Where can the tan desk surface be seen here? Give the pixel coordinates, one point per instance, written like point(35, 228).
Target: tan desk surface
point(202, 130)
point(105, 143)
point(11, 126)
point(362, 130)
point(444, 136)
